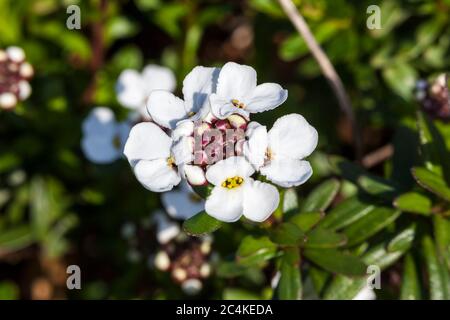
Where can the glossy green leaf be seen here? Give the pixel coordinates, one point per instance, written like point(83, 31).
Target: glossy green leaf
point(432, 182)
point(290, 284)
point(410, 289)
point(413, 202)
point(287, 234)
point(323, 238)
point(346, 213)
point(321, 197)
point(438, 278)
point(377, 186)
point(335, 261)
point(401, 78)
point(442, 235)
point(254, 251)
point(201, 224)
point(306, 220)
point(433, 148)
point(370, 224)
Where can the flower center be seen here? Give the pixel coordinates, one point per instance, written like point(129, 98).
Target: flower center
point(191, 114)
point(171, 161)
point(238, 104)
point(234, 182)
point(269, 154)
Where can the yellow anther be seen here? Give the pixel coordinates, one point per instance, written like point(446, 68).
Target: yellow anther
point(234, 182)
point(190, 114)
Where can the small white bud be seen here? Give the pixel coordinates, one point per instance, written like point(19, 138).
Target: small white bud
point(162, 261)
point(192, 286)
point(8, 100)
point(15, 54)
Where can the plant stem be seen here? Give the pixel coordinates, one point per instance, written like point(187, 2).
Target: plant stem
point(327, 69)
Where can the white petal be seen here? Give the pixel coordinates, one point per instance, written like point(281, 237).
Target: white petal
point(100, 121)
point(184, 128)
point(166, 230)
point(100, 149)
point(165, 108)
point(183, 150)
point(195, 175)
point(156, 175)
point(147, 141)
point(158, 78)
point(181, 204)
point(236, 81)
point(197, 85)
point(266, 96)
point(130, 89)
point(222, 108)
point(260, 200)
point(256, 145)
point(228, 168)
point(293, 137)
point(287, 172)
point(225, 204)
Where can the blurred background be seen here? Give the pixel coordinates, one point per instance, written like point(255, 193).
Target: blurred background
point(58, 209)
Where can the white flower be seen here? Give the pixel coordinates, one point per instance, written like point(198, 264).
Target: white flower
point(103, 137)
point(238, 92)
point(166, 109)
point(183, 203)
point(235, 193)
point(148, 151)
point(278, 153)
point(133, 88)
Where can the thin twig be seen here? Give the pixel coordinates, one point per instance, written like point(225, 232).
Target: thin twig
point(327, 69)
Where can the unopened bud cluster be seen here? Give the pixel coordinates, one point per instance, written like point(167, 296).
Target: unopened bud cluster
point(15, 73)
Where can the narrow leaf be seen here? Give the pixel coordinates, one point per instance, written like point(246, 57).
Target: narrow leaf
point(306, 220)
point(370, 224)
point(323, 238)
point(16, 238)
point(287, 234)
point(290, 285)
point(410, 289)
point(403, 240)
point(254, 251)
point(335, 261)
point(322, 196)
point(437, 273)
point(432, 182)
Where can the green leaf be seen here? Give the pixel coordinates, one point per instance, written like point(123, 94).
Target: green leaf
point(254, 251)
point(323, 238)
point(16, 238)
point(321, 197)
point(432, 182)
point(239, 294)
point(201, 224)
point(370, 224)
point(346, 213)
point(413, 202)
point(344, 288)
point(438, 278)
point(401, 78)
point(335, 261)
point(403, 240)
point(319, 278)
point(287, 234)
point(410, 289)
point(230, 270)
point(290, 285)
point(306, 220)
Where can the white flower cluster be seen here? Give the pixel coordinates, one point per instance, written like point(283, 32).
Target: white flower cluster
point(15, 73)
point(207, 139)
